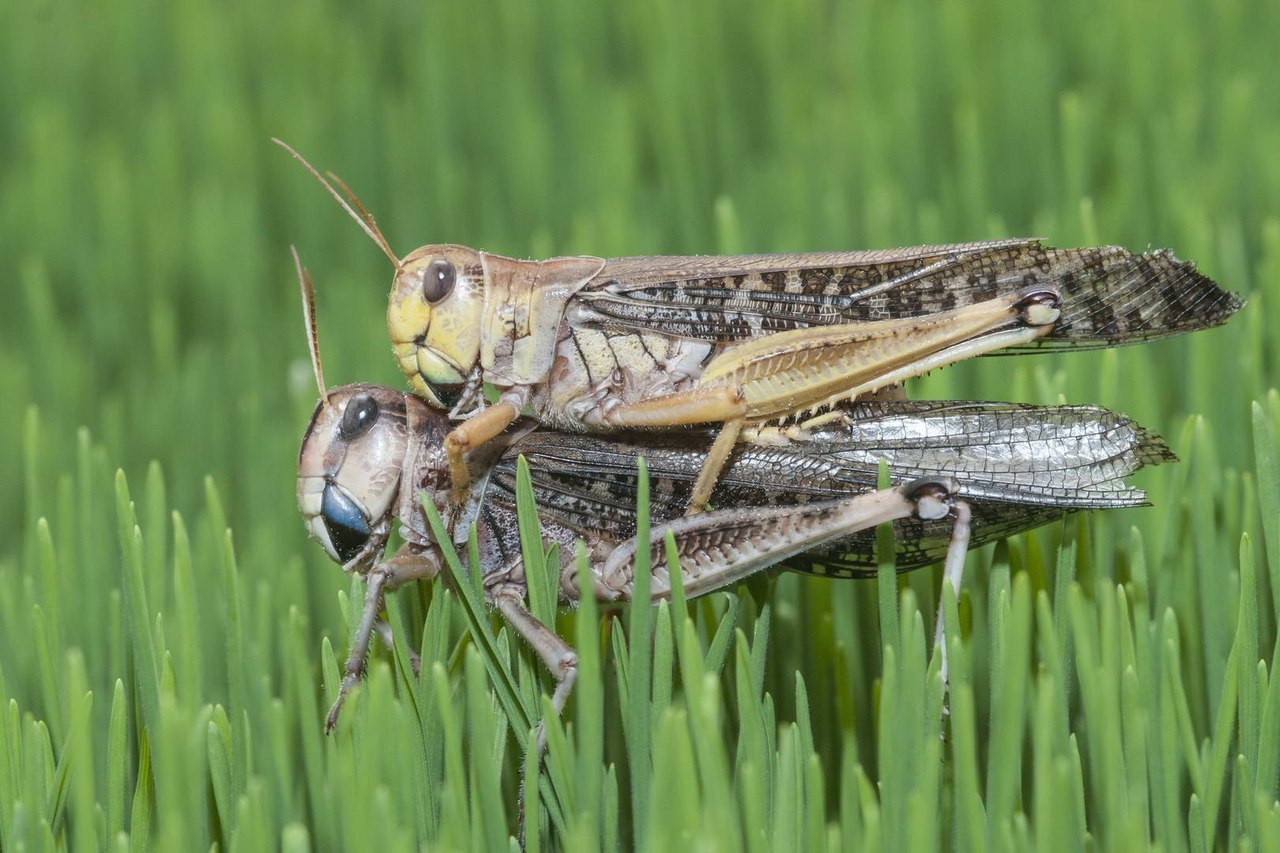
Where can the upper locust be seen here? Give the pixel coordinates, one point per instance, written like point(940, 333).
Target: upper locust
point(765, 345)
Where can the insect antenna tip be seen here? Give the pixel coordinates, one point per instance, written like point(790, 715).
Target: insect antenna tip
point(308, 289)
point(363, 218)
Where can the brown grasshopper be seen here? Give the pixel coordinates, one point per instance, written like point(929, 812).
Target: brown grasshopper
point(765, 345)
point(370, 453)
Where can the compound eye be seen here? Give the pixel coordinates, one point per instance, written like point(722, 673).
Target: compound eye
point(437, 280)
point(361, 412)
point(347, 527)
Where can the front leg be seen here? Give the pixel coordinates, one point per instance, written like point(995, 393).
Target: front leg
point(388, 575)
point(481, 427)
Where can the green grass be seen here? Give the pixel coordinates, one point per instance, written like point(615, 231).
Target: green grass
point(169, 639)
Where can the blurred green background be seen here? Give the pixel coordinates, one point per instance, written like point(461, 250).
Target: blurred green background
point(148, 296)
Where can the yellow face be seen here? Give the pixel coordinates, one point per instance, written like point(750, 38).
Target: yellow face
point(433, 316)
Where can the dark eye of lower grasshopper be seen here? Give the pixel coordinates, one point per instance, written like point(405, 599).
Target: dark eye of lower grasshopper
point(361, 412)
point(437, 280)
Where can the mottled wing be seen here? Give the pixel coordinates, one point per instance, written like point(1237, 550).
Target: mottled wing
point(1019, 466)
point(1110, 296)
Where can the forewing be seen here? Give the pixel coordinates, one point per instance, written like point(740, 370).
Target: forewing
point(1109, 295)
point(1019, 466)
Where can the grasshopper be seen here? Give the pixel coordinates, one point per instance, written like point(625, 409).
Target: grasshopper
point(371, 453)
point(764, 345)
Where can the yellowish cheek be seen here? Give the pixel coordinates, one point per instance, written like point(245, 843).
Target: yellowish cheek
point(456, 334)
point(444, 326)
point(407, 319)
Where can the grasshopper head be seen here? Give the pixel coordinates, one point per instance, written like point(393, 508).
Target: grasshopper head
point(434, 316)
point(435, 308)
point(349, 471)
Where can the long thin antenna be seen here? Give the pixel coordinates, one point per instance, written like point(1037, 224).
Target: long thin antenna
point(309, 316)
point(355, 202)
point(366, 221)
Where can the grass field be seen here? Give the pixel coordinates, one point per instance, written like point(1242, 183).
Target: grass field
point(169, 638)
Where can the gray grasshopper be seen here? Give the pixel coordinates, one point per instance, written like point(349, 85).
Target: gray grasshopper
point(370, 452)
point(764, 345)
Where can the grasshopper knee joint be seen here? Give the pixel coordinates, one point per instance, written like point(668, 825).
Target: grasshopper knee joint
point(934, 497)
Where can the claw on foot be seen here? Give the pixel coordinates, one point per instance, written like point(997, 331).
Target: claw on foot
point(331, 721)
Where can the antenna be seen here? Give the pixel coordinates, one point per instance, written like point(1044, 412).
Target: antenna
point(309, 316)
point(363, 218)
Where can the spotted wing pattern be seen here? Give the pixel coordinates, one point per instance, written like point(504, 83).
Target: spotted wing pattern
point(1110, 296)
